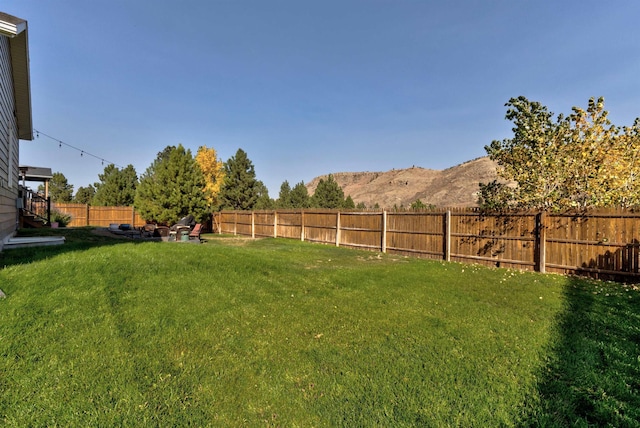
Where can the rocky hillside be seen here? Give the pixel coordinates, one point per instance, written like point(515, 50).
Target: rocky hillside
point(453, 187)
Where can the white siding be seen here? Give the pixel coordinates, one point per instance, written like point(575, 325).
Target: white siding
point(8, 147)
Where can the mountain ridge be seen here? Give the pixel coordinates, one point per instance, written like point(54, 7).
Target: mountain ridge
point(456, 186)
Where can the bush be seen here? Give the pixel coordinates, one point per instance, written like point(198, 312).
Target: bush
point(63, 219)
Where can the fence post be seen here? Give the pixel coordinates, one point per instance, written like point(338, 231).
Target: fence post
point(275, 223)
point(253, 224)
point(384, 231)
point(447, 236)
point(338, 229)
point(133, 218)
point(541, 242)
point(302, 225)
point(88, 210)
point(235, 223)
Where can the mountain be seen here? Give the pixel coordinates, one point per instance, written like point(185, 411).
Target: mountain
point(453, 187)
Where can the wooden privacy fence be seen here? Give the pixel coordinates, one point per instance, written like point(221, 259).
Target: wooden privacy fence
point(602, 244)
point(87, 215)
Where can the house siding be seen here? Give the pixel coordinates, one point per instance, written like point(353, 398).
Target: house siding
point(9, 174)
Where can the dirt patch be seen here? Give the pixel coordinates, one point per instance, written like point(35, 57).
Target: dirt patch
point(231, 240)
point(129, 234)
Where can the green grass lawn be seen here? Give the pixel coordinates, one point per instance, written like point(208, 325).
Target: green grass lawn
point(107, 332)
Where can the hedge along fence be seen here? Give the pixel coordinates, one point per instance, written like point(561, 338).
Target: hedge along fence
point(602, 244)
point(87, 215)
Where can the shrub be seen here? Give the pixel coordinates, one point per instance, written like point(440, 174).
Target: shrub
point(63, 219)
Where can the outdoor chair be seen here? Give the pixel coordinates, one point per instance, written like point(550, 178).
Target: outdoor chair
point(183, 226)
point(148, 230)
point(195, 232)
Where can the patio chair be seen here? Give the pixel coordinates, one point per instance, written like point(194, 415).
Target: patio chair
point(183, 225)
point(195, 232)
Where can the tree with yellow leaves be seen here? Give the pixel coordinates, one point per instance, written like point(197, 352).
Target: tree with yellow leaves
point(213, 171)
point(575, 162)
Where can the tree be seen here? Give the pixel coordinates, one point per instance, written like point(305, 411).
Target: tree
point(59, 188)
point(418, 205)
point(531, 157)
point(494, 196)
point(213, 171)
point(361, 206)
point(300, 196)
point(117, 187)
point(284, 197)
point(348, 203)
point(84, 195)
point(240, 188)
point(578, 161)
point(328, 194)
point(604, 163)
point(171, 188)
point(264, 202)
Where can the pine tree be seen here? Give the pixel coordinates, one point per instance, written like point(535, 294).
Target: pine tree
point(84, 195)
point(172, 188)
point(59, 188)
point(117, 187)
point(264, 202)
point(284, 197)
point(328, 194)
point(348, 203)
point(300, 196)
point(240, 188)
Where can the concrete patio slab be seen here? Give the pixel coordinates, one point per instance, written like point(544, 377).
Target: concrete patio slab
point(33, 241)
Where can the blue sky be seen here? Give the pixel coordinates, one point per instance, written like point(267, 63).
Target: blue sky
point(312, 87)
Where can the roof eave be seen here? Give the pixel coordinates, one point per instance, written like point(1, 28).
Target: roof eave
point(16, 30)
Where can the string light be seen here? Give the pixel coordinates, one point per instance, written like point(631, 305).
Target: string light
point(82, 152)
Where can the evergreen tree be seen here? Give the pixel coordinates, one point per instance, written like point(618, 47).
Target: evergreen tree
point(172, 188)
point(59, 188)
point(328, 194)
point(300, 196)
point(284, 197)
point(84, 195)
point(348, 203)
point(418, 205)
point(240, 188)
point(264, 202)
point(117, 187)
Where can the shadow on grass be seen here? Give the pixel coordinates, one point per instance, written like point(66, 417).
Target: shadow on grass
point(76, 239)
point(593, 377)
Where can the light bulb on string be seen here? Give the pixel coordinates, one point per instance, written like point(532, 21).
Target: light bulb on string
point(82, 152)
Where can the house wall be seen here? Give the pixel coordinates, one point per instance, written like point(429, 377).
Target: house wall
point(9, 174)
